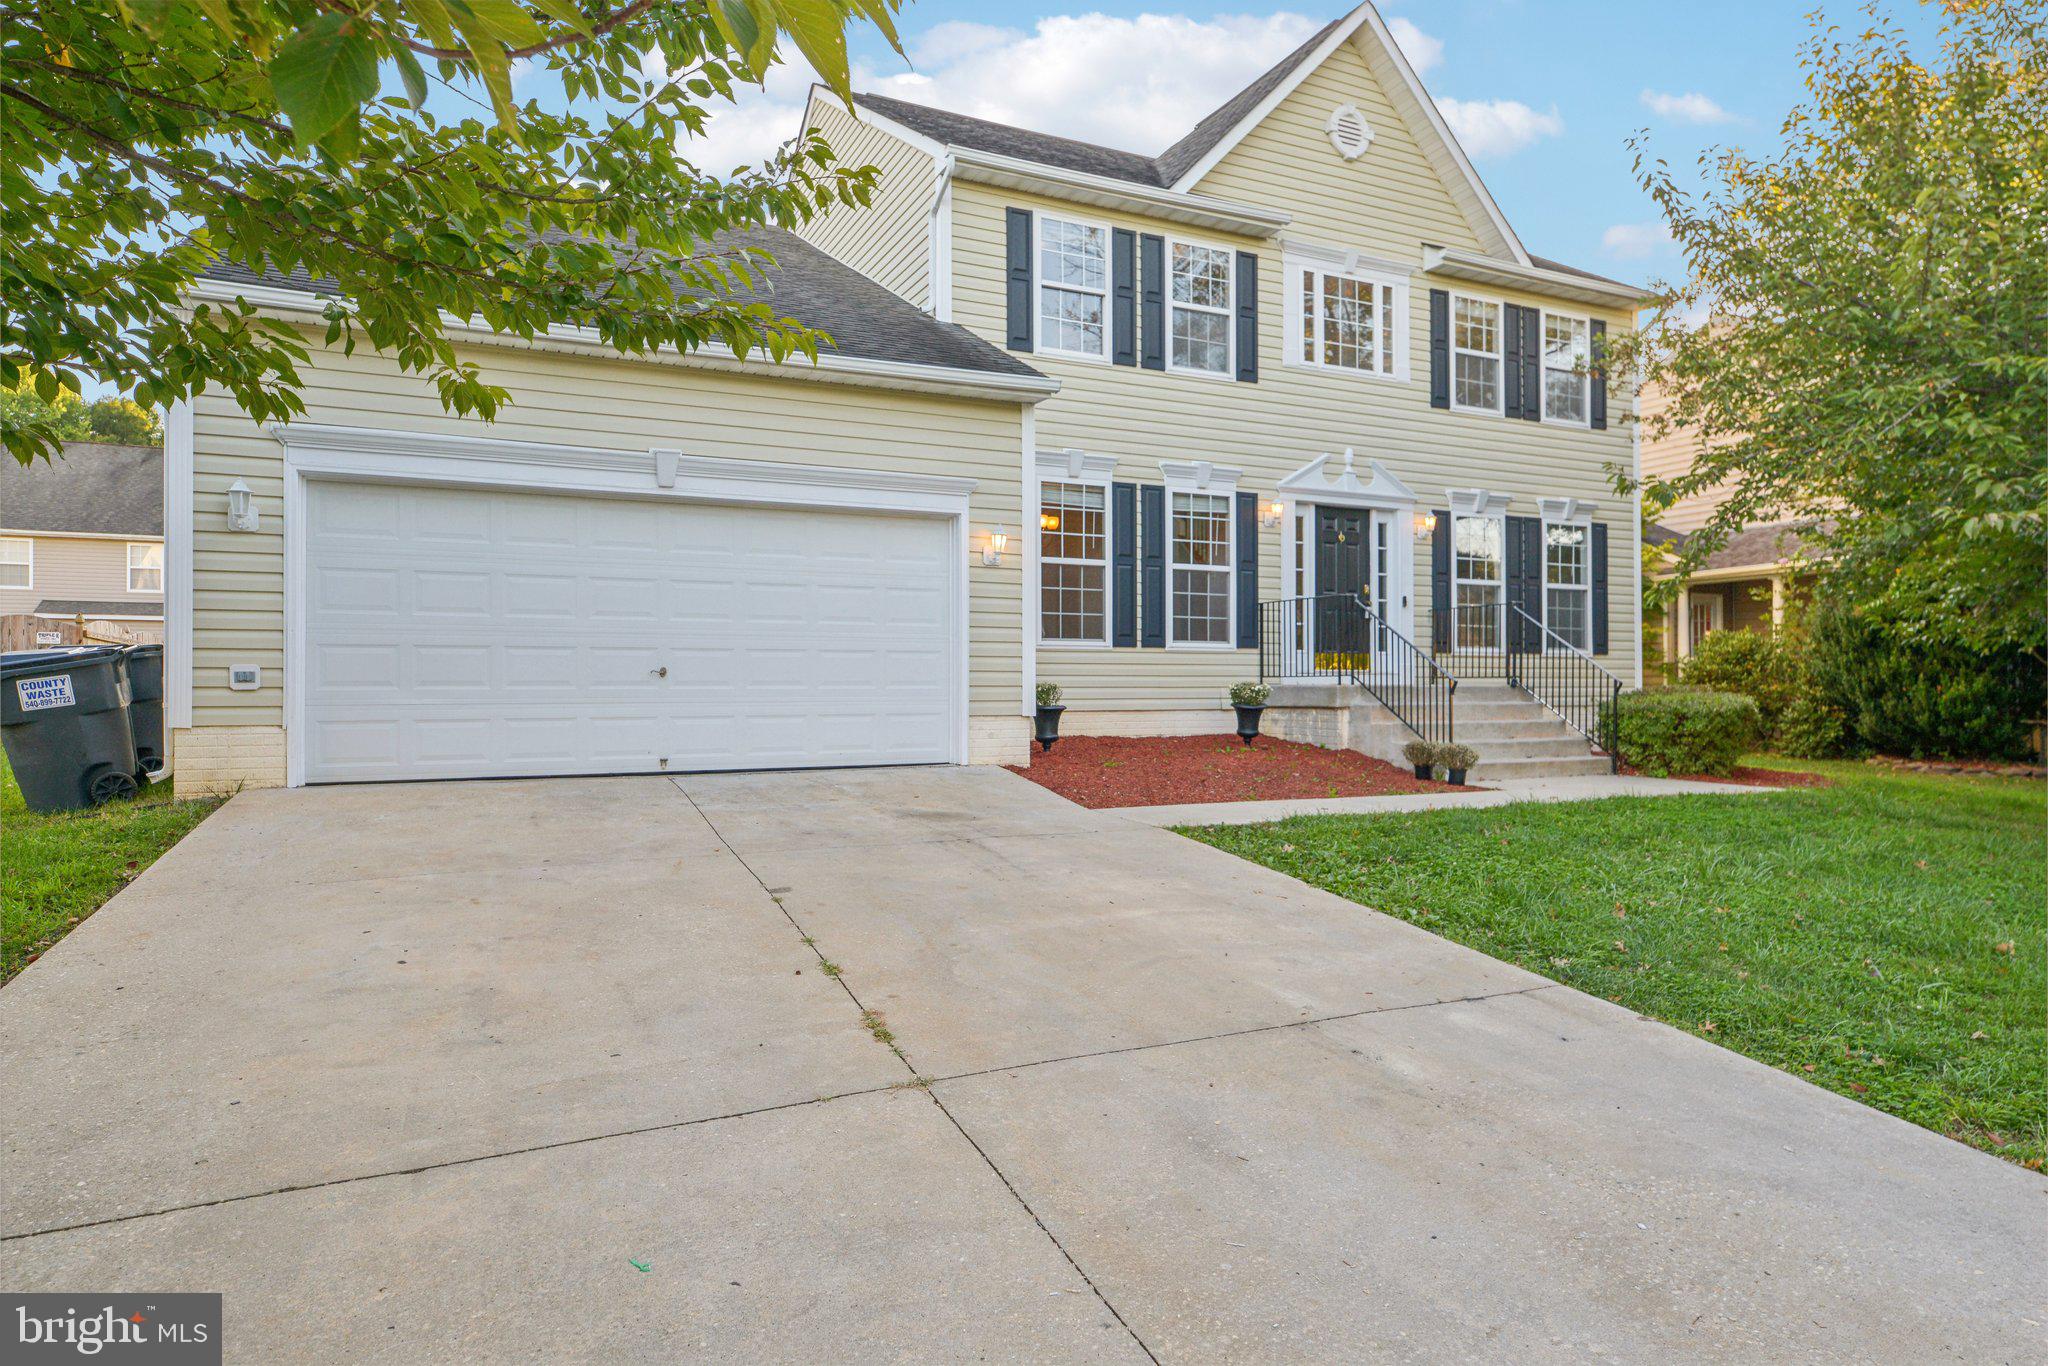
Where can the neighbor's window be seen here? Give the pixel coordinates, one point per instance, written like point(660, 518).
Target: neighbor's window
point(1348, 322)
point(1073, 286)
point(1200, 564)
point(1200, 326)
point(1567, 581)
point(145, 566)
point(1475, 354)
point(1073, 562)
point(1478, 575)
point(1567, 350)
point(17, 562)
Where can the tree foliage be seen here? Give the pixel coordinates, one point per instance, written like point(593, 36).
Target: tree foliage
point(140, 139)
point(1876, 355)
point(70, 418)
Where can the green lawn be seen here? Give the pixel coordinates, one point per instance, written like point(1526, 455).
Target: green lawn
point(57, 870)
point(1883, 938)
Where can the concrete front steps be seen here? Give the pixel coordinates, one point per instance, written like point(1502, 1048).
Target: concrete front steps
point(1516, 736)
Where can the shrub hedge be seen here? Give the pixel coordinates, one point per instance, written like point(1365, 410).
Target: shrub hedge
point(1919, 696)
point(1769, 669)
point(1686, 730)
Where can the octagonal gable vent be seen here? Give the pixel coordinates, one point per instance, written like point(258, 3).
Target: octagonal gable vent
point(1349, 133)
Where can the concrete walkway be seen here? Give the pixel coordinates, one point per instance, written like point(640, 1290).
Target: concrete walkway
point(1499, 792)
point(920, 1064)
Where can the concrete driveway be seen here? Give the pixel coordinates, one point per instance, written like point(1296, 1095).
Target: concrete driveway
point(421, 1072)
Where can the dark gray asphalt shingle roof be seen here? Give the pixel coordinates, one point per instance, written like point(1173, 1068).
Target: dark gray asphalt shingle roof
point(91, 488)
point(1545, 263)
point(1766, 543)
point(1178, 159)
point(89, 607)
point(864, 320)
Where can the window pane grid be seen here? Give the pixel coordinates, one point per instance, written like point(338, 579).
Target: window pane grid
point(1073, 274)
point(1200, 327)
point(17, 556)
point(1475, 347)
point(1566, 343)
point(1199, 552)
point(1073, 544)
point(1478, 569)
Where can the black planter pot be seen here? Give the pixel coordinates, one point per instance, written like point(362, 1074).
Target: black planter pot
point(1248, 722)
point(1457, 776)
point(1425, 771)
point(1048, 728)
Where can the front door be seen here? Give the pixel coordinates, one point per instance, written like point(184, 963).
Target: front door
point(1345, 564)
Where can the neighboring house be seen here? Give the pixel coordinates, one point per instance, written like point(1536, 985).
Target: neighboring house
point(1747, 583)
point(1089, 417)
point(82, 539)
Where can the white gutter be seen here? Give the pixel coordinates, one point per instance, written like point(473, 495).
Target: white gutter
point(830, 368)
point(1196, 210)
point(1460, 264)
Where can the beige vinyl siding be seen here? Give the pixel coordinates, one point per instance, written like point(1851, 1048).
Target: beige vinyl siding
point(1670, 455)
point(1386, 205)
point(238, 578)
point(90, 567)
point(888, 240)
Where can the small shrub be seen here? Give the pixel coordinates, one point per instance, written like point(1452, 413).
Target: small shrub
point(1420, 753)
point(1922, 696)
point(1049, 694)
point(1249, 694)
point(1683, 730)
point(1457, 756)
point(1769, 669)
point(1811, 729)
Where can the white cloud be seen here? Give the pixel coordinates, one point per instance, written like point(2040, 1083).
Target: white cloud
point(1495, 128)
point(1421, 50)
point(1691, 107)
point(1135, 83)
point(1634, 241)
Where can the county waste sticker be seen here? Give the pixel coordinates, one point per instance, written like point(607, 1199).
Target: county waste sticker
point(50, 690)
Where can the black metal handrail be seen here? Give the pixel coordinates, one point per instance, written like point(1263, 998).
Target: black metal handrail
point(1336, 635)
point(1565, 679)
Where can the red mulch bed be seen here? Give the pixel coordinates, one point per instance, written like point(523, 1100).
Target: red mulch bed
point(1749, 777)
point(1103, 771)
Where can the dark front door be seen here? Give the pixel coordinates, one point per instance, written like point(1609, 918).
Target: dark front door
point(1343, 566)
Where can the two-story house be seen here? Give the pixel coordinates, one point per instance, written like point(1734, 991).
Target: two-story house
point(82, 544)
point(1290, 399)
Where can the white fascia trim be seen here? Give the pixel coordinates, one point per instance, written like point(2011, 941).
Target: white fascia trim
point(38, 534)
point(1338, 37)
point(1297, 251)
point(178, 534)
point(1125, 196)
point(92, 616)
point(901, 131)
point(1460, 264)
point(1478, 502)
point(436, 458)
point(1566, 509)
point(1314, 483)
point(1199, 476)
point(1076, 464)
point(829, 368)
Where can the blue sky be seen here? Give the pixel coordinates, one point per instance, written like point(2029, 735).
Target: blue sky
point(1544, 92)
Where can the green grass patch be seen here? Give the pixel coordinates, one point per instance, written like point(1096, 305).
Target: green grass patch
point(57, 870)
point(1886, 937)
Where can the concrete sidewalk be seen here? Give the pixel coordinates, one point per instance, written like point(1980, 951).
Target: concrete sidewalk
point(1499, 792)
point(920, 1064)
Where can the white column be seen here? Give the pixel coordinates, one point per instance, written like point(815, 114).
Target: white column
point(1684, 624)
point(1777, 601)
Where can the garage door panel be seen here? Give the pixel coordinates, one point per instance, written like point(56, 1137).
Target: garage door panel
point(464, 633)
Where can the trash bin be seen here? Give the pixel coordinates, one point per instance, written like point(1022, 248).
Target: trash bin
point(64, 721)
point(146, 708)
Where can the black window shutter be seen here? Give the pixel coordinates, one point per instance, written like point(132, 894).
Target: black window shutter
point(1513, 402)
point(1019, 256)
point(1247, 569)
point(1247, 330)
point(1152, 546)
point(1123, 534)
point(1532, 364)
point(1599, 588)
point(1439, 348)
point(1440, 584)
point(1123, 307)
point(1525, 579)
point(1599, 407)
point(1152, 311)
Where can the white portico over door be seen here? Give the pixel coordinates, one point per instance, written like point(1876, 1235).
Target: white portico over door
point(1345, 529)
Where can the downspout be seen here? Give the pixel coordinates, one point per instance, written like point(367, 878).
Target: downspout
point(939, 257)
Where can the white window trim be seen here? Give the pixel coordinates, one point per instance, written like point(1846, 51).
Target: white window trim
point(134, 546)
point(1229, 370)
point(30, 542)
point(1075, 467)
point(1583, 521)
point(1479, 504)
point(1199, 476)
point(1543, 368)
point(1500, 353)
point(1297, 352)
point(1039, 284)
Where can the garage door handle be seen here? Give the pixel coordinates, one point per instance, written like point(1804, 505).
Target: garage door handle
point(662, 672)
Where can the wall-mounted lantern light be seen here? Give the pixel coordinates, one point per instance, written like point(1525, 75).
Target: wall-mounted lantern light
point(1425, 525)
point(1270, 514)
point(242, 514)
point(998, 542)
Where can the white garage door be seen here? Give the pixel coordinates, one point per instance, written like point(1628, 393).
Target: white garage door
point(455, 633)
